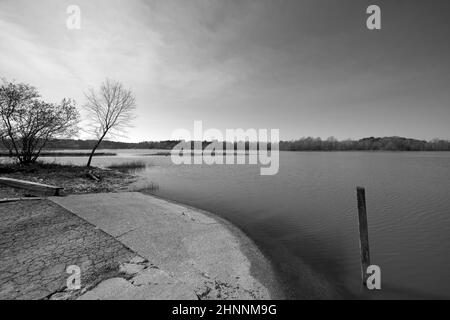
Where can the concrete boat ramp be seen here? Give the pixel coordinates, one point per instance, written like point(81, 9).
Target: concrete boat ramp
point(193, 254)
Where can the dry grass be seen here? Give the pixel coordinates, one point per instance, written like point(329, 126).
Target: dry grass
point(146, 187)
point(74, 179)
point(131, 166)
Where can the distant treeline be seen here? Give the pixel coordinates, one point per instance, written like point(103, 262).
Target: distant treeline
point(88, 144)
point(304, 144)
point(366, 144)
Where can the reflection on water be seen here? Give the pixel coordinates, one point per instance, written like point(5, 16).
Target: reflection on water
point(307, 213)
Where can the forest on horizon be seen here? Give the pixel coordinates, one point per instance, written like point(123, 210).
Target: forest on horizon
point(303, 144)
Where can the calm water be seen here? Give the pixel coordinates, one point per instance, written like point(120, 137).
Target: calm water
point(308, 212)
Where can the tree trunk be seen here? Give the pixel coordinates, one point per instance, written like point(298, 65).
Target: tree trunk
point(91, 155)
point(93, 150)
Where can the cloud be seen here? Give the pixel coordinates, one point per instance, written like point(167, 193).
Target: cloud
point(268, 61)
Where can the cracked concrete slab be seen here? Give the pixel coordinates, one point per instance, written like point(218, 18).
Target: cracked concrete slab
point(121, 289)
point(39, 240)
point(140, 280)
point(203, 254)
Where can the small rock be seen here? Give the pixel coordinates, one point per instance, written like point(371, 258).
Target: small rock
point(65, 295)
point(152, 276)
point(131, 268)
point(138, 260)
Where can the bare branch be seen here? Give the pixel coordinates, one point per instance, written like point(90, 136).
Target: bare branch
point(110, 111)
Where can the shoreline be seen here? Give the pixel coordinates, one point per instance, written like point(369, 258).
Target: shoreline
point(309, 285)
point(262, 268)
point(203, 252)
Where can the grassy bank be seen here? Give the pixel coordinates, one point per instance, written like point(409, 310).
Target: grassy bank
point(74, 179)
point(66, 154)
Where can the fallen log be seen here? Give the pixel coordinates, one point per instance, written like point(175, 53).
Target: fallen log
point(42, 189)
point(19, 199)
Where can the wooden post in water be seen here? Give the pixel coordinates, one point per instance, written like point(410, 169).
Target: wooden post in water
point(363, 233)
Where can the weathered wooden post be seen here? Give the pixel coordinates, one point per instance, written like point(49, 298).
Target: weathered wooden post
point(363, 233)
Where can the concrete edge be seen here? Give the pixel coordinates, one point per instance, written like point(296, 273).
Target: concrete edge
point(262, 268)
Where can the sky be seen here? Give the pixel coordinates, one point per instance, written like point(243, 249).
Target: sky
point(305, 67)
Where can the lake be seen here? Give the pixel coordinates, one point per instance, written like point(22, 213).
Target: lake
point(307, 213)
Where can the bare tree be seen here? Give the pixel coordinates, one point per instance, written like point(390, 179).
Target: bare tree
point(110, 111)
point(27, 123)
